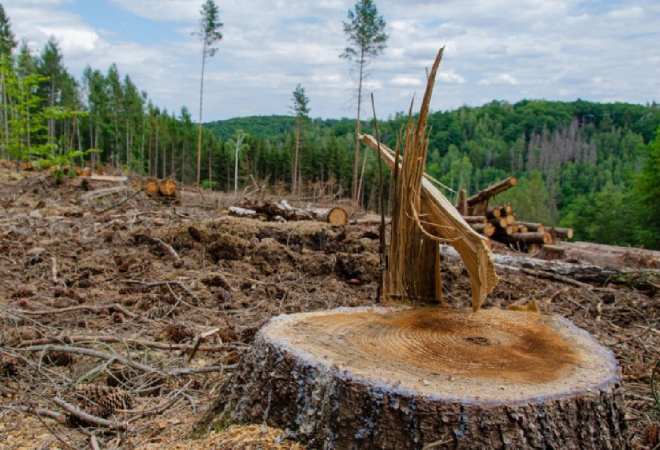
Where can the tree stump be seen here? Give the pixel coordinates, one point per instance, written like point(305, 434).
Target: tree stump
point(396, 378)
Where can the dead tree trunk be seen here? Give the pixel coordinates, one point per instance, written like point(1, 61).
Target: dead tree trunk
point(388, 378)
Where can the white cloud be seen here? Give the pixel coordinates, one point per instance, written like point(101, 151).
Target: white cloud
point(500, 49)
point(503, 78)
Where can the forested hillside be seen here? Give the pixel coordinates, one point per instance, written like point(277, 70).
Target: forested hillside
point(594, 167)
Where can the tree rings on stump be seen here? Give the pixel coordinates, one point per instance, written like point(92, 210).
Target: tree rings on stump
point(397, 378)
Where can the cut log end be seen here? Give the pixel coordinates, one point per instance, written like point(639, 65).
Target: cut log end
point(403, 378)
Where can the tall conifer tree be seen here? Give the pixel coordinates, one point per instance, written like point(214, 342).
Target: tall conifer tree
point(209, 33)
point(367, 38)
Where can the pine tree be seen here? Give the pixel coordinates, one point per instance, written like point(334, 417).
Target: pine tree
point(366, 34)
point(300, 109)
point(209, 33)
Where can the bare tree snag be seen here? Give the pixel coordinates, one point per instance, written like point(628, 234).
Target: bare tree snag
point(462, 205)
point(392, 378)
point(491, 191)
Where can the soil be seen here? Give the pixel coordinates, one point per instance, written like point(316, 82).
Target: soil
point(169, 295)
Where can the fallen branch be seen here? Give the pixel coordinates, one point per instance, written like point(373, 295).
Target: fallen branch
point(88, 418)
point(115, 339)
point(112, 307)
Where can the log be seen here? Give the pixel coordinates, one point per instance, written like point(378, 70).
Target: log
point(532, 226)
point(489, 192)
point(503, 231)
point(151, 187)
point(493, 212)
point(500, 222)
point(561, 233)
point(241, 212)
point(525, 239)
point(510, 219)
point(391, 378)
point(483, 228)
point(334, 216)
point(475, 219)
point(167, 188)
point(522, 228)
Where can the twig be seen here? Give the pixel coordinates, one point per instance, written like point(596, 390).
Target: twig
point(36, 411)
point(53, 269)
point(162, 245)
point(94, 443)
point(114, 306)
point(196, 342)
point(125, 361)
point(149, 412)
point(115, 339)
point(96, 354)
point(164, 283)
point(88, 417)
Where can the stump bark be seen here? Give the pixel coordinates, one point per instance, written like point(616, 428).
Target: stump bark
point(397, 378)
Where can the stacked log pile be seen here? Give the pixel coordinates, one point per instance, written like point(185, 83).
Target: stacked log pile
point(499, 222)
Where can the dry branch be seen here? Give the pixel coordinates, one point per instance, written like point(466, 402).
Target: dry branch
point(113, 307)
point(88, 418)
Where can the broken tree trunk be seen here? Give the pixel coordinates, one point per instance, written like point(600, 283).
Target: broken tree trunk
point(491, 191)
point(392, 378)
point(449, 225)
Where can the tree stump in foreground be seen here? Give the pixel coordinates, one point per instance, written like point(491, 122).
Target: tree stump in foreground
point(393, 378)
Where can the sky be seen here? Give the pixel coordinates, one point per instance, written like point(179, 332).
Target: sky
point(597, 50)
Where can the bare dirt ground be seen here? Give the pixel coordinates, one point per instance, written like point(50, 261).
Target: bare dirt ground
point(136, 314)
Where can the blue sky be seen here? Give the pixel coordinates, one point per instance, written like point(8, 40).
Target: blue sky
point(599, 50)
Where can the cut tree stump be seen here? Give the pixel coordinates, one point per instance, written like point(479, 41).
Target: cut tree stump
point(397, 378)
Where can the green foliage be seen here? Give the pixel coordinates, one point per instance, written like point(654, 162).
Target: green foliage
point(209, 185)
point(209, 27)
point(530, 199)
point(366, 32)
point(647, 195)
point(300, 105)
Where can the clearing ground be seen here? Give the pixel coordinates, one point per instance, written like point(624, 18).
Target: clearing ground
point(137, 313)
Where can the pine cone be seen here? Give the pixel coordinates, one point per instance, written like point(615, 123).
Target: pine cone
point(178, 332)
point(9, 366)
point(60, 359)
point(109, 397)
point(651, 435)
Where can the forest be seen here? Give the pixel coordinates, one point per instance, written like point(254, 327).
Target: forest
point(590, 166)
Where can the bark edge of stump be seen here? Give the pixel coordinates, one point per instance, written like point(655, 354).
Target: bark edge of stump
point(294, 380)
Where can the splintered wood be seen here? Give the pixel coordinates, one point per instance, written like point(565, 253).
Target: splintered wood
point(422, 218)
